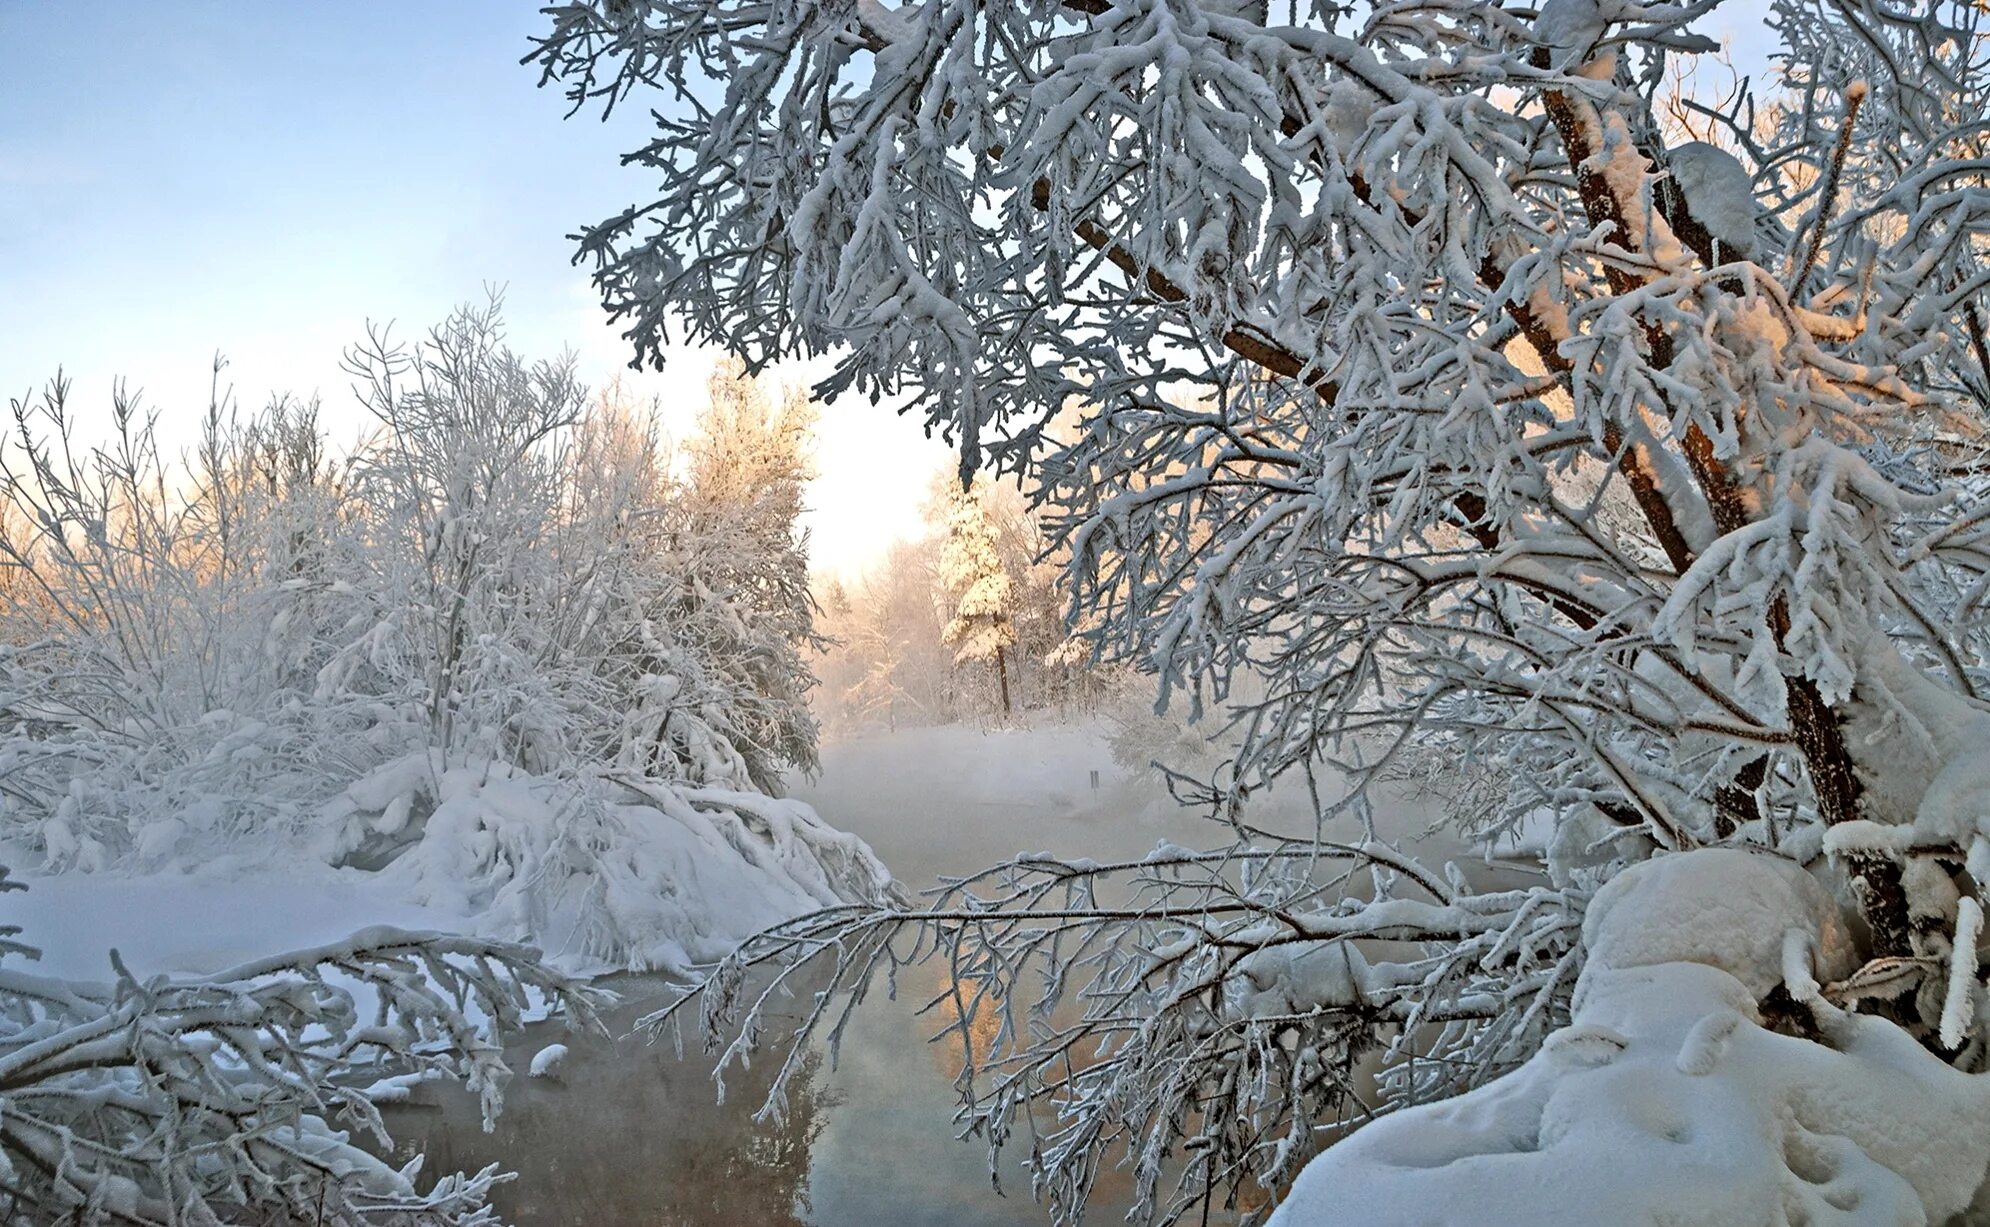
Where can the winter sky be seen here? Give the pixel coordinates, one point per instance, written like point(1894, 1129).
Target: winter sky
point(181, 177)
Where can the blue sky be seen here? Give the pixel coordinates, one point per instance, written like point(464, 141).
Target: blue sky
point(177, 178)
point(181, 177)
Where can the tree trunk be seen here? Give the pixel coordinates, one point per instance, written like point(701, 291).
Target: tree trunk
point(1002, 675)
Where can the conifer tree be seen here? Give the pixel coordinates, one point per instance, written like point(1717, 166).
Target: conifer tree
point(982, 629)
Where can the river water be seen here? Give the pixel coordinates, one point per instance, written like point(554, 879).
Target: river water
point(629, 1133)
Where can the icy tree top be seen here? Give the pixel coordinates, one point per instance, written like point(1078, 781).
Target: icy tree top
point(1443, 316)
point(999, 207)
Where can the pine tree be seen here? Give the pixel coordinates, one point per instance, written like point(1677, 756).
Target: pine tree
point(982, 628)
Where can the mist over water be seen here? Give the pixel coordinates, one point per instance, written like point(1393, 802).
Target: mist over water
point(629, 1133)
point(945, 801)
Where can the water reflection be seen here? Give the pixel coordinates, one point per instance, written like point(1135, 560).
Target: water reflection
point(626, 1133)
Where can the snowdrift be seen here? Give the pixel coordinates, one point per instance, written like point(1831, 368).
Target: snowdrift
point(602, 873)
point(613, 872)
point(1669, 1100)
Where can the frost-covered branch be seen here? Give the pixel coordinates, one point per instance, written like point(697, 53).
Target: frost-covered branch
point(1203, 1014)
point(1416, 399)
point(203, 1100)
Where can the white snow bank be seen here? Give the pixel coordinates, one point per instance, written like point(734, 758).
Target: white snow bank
point(1665, 1101)
point(1724, 907)
point(602, 874)
point(546, 1062)
point(625, 872)
point(202, 921)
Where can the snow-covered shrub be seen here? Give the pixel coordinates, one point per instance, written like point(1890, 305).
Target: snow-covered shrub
point(614, 869)
point(558, 594)
point(164, 627)
point(1464, 403)
point(236, 1097)
point(504, 583)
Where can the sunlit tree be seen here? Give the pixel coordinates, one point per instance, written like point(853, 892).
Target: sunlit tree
point(981, 628)
point(1449, 397)
point(503, 645)
point(737, 520)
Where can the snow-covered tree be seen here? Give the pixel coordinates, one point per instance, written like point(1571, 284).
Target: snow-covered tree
point(461, 494)
point(981, 623)
point(886, 663)
point(860, 670)
point(1050, 666)
point(1450, 397)
point(738, 521)
point(163, 616)
point(500, 650)
point(891, 658)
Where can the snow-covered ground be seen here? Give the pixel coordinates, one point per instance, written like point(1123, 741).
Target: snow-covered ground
point(1668, 1100)
point(204, 920)
point(929, 801)
point(648, 876)
point(933, 800)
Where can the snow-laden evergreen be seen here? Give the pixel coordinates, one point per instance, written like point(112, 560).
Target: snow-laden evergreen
point(952, 620)
point(1454, 404)
point(982, 627)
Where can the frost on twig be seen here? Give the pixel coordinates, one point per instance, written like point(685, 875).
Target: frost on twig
point(243, 1095)
point(1202, 1015)
point(1414, 398)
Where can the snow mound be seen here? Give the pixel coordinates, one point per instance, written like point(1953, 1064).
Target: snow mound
point(1666, 1101)
point(1719, 194)
point(547, 1061)
point(620, 872)
point(1722, 907)
point(602, 873)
